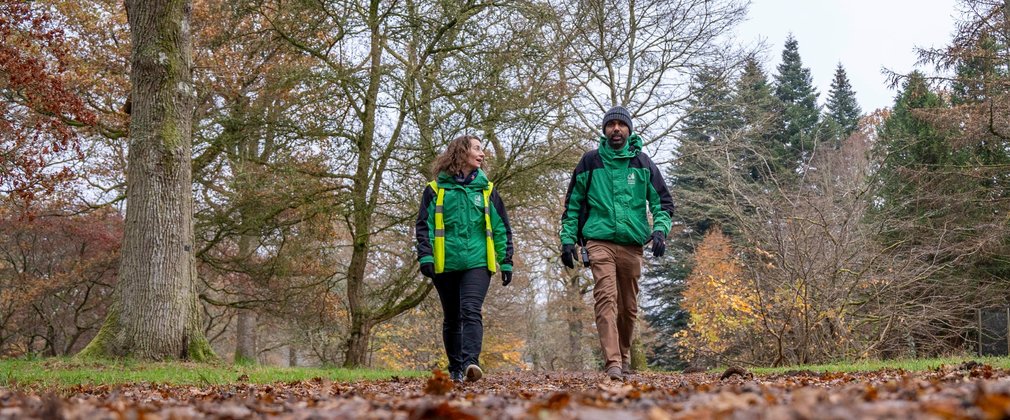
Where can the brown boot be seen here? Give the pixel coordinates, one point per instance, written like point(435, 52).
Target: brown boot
point(614, 373)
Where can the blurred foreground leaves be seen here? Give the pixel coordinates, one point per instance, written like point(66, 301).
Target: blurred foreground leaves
point(970, 390)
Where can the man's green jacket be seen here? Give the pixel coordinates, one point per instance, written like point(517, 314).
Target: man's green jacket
point(622, 185)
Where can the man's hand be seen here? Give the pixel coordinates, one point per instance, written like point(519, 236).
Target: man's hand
point(658, 244)
point(568, 255)
point(506, 277)
point(428, 270)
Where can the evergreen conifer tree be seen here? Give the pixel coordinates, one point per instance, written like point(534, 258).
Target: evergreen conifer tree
point(908, 142)
point(695, 185)
point(842, 108)
point(794, 87)
point(761, 115)
point(945, 181)
point(977, 72)
point(696, 176)
point(911, 147)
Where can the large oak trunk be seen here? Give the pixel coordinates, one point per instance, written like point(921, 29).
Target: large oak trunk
point(155, 313)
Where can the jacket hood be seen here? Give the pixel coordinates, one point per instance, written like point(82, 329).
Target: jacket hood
point(631, 148)
point(446, 180)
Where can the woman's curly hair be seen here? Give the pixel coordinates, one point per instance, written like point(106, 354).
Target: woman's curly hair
point(453, 160)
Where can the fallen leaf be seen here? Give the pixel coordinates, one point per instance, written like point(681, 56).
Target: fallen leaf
point(438, 384)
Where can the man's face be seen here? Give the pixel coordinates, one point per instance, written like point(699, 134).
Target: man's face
point(617, 133)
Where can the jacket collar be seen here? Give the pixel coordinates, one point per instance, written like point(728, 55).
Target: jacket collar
point(446, 180)
point(630, 149)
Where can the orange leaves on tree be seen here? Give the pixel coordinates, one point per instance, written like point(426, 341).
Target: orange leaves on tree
point(36, 108)
point(717, 298)
point(414, 341)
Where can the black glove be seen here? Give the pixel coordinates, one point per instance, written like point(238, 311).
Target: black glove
point(506, 277)
point(428, 270)
point(658, 244)
point(568, 255)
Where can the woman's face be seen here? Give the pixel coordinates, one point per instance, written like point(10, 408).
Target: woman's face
point(474, 156)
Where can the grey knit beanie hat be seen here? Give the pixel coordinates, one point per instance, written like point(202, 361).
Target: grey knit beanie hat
point(618, 113)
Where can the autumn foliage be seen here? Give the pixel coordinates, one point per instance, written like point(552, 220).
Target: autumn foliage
point(37, 109)
point(306, 148)
point(970, 390)
point(721, 306)
point(56, 278)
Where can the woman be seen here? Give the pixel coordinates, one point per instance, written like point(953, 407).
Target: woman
point(462, 234)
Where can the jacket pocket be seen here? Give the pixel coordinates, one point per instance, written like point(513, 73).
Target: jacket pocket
point(476, 207)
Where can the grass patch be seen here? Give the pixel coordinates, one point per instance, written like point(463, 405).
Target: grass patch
point(872, 365)
point(65, 372)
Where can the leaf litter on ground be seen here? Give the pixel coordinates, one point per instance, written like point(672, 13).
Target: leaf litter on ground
point(966, 391)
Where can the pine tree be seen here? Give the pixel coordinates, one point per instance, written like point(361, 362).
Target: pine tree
point(761, 115)
point(710, 113)
point(960, 185)
point(754, 96)
point(696, 187)
point(794, 87)
point(976, 72)
point(842, 107)
point(665, 286)
point(940, 202)
point(695, 176)
point(908, 143)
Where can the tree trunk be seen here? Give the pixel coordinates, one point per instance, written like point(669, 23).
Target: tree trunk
point(357, 342)
point(245, 337)
point(575, 343)
point(575, 309)
point(368, 308)
point(574, 295)
point(245, 328)
point(357, 345)
point(155, 313)
point(638, 360)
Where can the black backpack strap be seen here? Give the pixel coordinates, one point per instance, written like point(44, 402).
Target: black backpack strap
point(597, 162)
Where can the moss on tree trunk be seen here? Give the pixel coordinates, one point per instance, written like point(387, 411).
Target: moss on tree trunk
point(155, 314)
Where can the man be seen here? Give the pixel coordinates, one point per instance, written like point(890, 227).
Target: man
point(605, 213)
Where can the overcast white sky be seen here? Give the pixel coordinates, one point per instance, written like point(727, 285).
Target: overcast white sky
point(864, 35)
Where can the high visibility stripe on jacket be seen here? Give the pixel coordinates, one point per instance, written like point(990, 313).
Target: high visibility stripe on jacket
point(463, 243)
point(438, 250)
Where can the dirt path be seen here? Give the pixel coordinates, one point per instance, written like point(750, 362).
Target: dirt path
point(967, 391)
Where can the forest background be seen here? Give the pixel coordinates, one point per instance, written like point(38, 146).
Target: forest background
point(805, 231)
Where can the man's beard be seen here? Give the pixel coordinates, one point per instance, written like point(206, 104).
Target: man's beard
point(616, 141)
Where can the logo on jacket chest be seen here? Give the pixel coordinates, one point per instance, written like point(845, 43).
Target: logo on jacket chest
point(631, 178)
point(477, 201)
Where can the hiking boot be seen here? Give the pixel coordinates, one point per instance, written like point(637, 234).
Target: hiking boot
point(456, 376)
point(473, 373)
point(614, 373)
point(626, 368)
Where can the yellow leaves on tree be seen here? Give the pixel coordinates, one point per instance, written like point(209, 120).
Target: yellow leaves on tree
point(502, 350)
point(721, 306)
point(414, 341)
